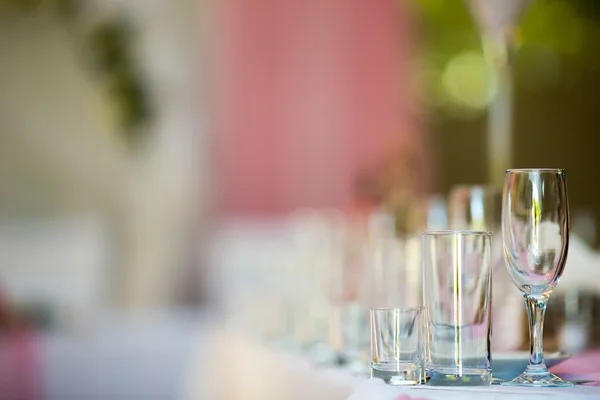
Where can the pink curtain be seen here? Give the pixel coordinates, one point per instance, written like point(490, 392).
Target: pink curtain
point(306, 94)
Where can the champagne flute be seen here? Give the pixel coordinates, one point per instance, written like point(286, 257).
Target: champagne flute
point(535, 234)
point(497, 21)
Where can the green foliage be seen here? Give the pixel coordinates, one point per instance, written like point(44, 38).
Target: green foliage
point(109, 47)
point(112, 58)
point(568, 27)
point(549, 33)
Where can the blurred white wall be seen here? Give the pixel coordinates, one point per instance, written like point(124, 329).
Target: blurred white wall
point(61, 153)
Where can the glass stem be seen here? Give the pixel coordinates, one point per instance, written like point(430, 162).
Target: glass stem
point(536, 309)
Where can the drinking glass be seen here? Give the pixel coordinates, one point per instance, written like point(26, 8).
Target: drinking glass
point(475, 207)
point(535, 233)
point(457, 287)
point(498, 25)
point(396, 345)
point(479, 207)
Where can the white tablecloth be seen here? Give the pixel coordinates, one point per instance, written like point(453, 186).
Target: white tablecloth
point(236, 368)
point(120, 358)
point(377, 390)
point(180, 358)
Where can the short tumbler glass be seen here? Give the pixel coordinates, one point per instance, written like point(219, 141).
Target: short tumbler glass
point(396, 355)
point(457, 295)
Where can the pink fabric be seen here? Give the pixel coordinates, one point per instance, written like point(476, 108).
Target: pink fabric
point(584, 366)
point(407, 397)
point(305, 94)
point(19, 367)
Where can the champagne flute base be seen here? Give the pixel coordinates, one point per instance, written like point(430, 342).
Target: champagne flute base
point(543, 378)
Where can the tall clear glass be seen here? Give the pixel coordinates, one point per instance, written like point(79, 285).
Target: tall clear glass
point(458, 292)
point(535, 232)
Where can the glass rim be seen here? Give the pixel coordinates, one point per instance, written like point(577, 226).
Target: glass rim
point(397, 309)
point(530, 170)
point(484, 186)
point(456, 232)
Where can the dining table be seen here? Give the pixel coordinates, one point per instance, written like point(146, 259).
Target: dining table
point(183, 357)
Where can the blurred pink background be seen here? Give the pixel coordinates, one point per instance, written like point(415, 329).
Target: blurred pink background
point(306, 95)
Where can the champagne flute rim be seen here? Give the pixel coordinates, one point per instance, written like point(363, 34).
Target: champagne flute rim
point(456, 232)
point(535, 170)
point(475, 186)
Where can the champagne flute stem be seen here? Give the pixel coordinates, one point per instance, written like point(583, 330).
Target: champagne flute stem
point(536, 309)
